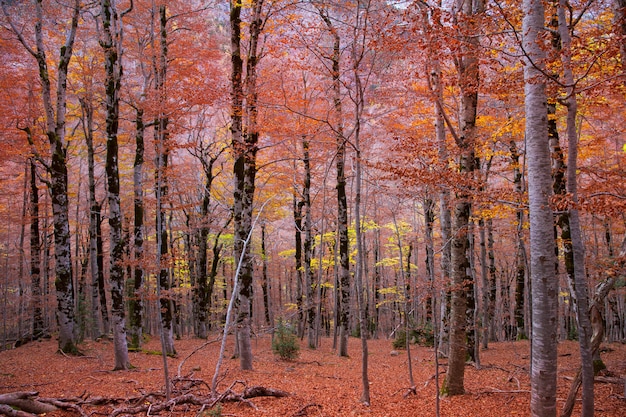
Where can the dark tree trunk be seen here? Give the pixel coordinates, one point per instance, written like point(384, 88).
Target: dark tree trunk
point(135, 301)
point(245, 147)
point(35, 255)
point(161, 186)
point(111, 44)
point(265, 282)
point(297, 219)
point(308, 249)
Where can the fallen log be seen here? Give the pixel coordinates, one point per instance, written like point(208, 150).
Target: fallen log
point(26, 401)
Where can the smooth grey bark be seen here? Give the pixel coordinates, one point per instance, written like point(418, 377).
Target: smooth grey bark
point(358, 54)
point(544, 285)
point(445, 216)
point(99, 319)
point(578, 251)
point(111, 42)
point(55, 132)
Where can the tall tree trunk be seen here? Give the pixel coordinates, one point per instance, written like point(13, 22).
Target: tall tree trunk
point(265, 282)
point(202, 294)
point(342, 204)
point(135, 301)
point(35, 255)
point(520, 254)
point(579, 281)
point(161, 189)
point(55, 132)
point(297, 220)
point(245, 147)
point(111, 43)
point(462, 305)
point(308, 248)
point(445, 215)
point(94, 218)
point(544, 286)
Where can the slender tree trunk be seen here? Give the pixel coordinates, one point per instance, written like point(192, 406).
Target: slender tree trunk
point(462, 305)
point(265, 282)
point(135, 302)
point(161, 188)
point(544, 284)
point(35, 255)
point(343, 320)
point(578, 252)
point(111, 42)
point(308, 248)
point(297, 219)
point(245, 147)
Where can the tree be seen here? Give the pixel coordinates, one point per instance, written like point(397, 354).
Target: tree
point(343, 322)
point(462, 302)
point(543, 282)
point(245, 146)
point(111, 43)
point(55, 132)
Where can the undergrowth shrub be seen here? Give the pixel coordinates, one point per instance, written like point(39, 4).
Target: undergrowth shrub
point(285, 343)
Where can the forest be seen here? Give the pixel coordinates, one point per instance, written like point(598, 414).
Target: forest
point(408, 175)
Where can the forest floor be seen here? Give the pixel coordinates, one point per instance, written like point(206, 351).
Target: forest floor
point(319, 382)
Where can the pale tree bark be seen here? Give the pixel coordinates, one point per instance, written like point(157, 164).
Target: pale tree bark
point(358, 54)
point(245, 147)
point(111, 43)
point(544, 288)
point(445, 216)
point(99, 313)
point(578, 251)
point(55, 132)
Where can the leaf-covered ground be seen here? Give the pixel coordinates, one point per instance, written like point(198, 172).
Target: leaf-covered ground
point(320, 383)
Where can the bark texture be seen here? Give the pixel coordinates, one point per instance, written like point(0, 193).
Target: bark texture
point(544, 283)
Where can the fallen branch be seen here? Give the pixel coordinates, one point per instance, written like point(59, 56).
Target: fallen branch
point(303, 411)
point(8, 411)
point(26, 401)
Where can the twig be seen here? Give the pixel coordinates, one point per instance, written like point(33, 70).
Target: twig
point(303, 411)
point(193, 352)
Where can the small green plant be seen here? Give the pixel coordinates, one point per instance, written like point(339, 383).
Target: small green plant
point(216, 411)
point(400, 341)
point(285, 343)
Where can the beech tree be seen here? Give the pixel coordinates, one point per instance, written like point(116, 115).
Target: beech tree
point(111, 43)
point(542, 258)
point(55, 116)
point(245, 137)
